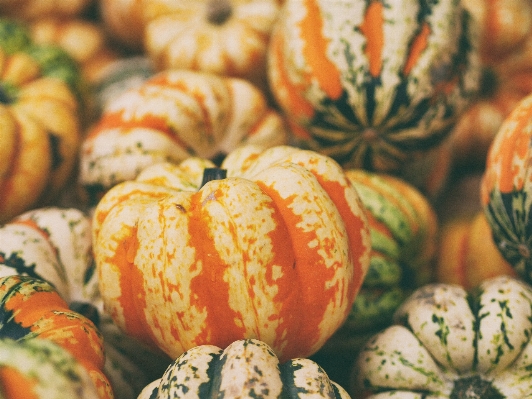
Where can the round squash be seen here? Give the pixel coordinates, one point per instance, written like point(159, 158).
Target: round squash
point(505, 189)
point(171, 116)
point(276, 251)
point(31, 309)
point(40, 95)
point(246, 368)
point(225, 37)
point(373, 84)
point(41, 369)
point(506, 60)
point(450, 343)
point(123, 20)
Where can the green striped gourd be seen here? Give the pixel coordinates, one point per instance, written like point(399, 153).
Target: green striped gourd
point(245, 369)
point(448, 343)
point(372, 83)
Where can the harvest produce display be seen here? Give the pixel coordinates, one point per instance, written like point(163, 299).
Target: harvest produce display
point(265, 198)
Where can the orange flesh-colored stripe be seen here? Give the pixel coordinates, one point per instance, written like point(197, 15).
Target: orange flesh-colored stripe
point(16, 385)
point(315, 52)
point(371, 28)
point(418, 45)
point(297, 105)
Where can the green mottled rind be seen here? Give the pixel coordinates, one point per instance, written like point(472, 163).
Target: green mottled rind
point(55, 372)
point(245, 369)
point(442, 336)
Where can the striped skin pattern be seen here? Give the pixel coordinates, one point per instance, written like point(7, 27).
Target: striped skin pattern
point(448, 343)
point(41, 369)
point(244, 369)
point(404, 230)
point(171, 116)
point(276, 251)
point(373, 83)
point(31, 308)
point(505, 189)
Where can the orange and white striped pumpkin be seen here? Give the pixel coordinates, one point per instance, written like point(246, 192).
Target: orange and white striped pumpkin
point(276, 251)
point(173, 115)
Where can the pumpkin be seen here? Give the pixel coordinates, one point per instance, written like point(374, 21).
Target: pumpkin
point(373, 84)
point(505, 189)
point(55, 244)
point(40, 95)
point(123, 21)
point(447, 342)
point(506, 61)
point(32, 9)
point(225, 37)
point(32, 309)
point(171, 116)
point(275, 251)
point(84, 40)
point(41, 369)
point(244, 369)
point(467, 254)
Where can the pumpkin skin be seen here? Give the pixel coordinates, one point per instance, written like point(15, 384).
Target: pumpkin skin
point(32, 309)
point(40, 369)
point(124, 22)
point(41, 89)
point(448, 343)
point(506, 60)
point(32, 9)
point(373, 86)
point(467, 254)
point(211, 35)
point(171, 116)
point(244, 369)
point(505, 186)
point(302, 242)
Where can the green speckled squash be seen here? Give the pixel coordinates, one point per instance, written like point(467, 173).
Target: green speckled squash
point(373, 83)
point(447, 343)
point(41, 369)
point(245, 369)
point(506, 187)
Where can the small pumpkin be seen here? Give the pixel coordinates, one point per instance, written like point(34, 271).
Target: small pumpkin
point(225, 37)
point(40, 96)
point(447, 342)
point(244, 369)
point(41, 369)
point(276, 251)
point(32, 309)
point(506, 62)
point(171, 116)
point(505, 189)
point(467, 254)
point(123, 21)
point(369, 83)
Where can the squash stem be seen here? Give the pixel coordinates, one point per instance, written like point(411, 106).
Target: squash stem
point(213, 174)
point(219, 11)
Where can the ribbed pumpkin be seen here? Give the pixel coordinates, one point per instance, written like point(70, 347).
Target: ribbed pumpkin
point(467, 254)
point(373, 84)
point(32, 309)
point(41, 369)
point(505, 189)
point(55, 244)
point(506, 58)
point(40, 119)
point(171, 116)
point(449, 343)
point(226, 37)
point(276, 251)
point(245, 369)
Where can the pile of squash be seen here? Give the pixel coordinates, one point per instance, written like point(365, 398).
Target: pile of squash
point(265, 198)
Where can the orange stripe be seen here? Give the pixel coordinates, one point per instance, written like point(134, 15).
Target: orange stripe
point(16, 385)
point(371, 28)
point(416, 48)
point(315, 52)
